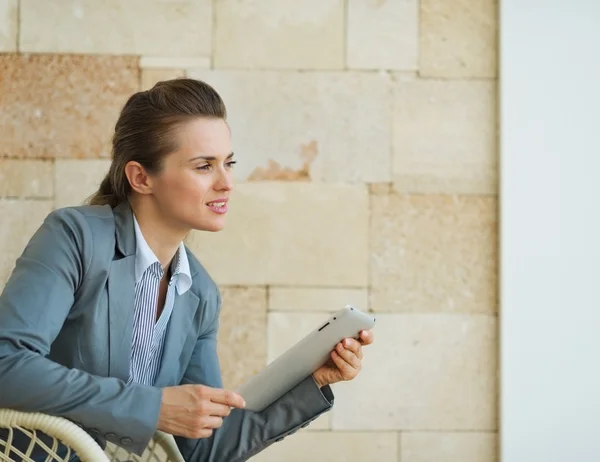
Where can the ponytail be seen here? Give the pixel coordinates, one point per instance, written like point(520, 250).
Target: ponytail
point(106, 194)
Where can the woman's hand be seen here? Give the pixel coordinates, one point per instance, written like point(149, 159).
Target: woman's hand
point(345, 362)
point(195, 411)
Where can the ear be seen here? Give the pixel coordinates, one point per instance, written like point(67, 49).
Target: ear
point(138, 178)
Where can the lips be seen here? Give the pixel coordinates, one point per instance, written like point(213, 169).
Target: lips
point(218, 206)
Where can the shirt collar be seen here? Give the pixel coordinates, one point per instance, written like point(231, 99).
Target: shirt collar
point(145, 257)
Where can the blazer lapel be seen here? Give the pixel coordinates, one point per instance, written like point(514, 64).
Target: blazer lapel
point(179, 327)
point(121, 293)
point(121, 299)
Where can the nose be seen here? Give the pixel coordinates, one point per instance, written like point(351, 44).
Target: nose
point(224, 181)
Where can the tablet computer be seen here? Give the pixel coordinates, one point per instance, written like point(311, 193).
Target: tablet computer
point(304, 358)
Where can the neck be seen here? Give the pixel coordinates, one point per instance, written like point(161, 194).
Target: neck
point(162, 237)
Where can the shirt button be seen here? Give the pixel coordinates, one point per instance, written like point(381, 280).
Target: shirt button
point(110, 436)
point(126, 441)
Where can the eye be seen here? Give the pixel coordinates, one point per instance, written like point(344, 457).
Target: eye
point(205, 167)
point(231, 163)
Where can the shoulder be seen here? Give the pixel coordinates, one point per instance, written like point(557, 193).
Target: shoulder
point(85, 224)
point(82, 215)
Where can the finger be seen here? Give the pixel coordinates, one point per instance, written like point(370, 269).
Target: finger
point(346, 369)
point(201, 433)
point(366, 337)
point(226, 397)
point(215, 409)
point(354, 346)
point(211, 422)
point(348, 356)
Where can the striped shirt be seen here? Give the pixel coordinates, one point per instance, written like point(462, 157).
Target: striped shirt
point(148, 332)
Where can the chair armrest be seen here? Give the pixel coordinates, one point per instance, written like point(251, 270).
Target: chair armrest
point(60, 429)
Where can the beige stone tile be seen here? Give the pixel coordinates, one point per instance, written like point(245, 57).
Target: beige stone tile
point(20, 220)
point(448, 447)
point(458, 38)
point(424, 372)
point(9, 17)
point(433, 253)
point(77, 180)
point(68, 104)
point(323, 127)
point(151, 77)
point(134, 27)
point(242, 344)
point(383, 34)
point(321, 423)
point(333, 447)
point(316, 299)
point(286, 34)
point(26, 178)
point(158, 62)
point(378, 189)
point(290, 234)
point(444, 137)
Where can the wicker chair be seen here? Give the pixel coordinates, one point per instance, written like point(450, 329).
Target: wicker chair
point(162, 447)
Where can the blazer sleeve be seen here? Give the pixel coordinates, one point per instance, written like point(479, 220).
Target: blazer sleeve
point(33, 307)
point(245, 433)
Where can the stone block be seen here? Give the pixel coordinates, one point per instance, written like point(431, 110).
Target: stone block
point(424, 372)
point(332, 447)
point(290, 234)
point(159, 62)
point(26, 178)
point(9, 25)
point(379, 189)
point(177, 28)
point(77, 180)
point(458, 38)
point(434, 253)
point(383, 34)
point(445, 137)
point(62, 105)
point(286, 34)
point(242, 341)
point(323, 127)
point(313, 299)
point(448, 447)
point(151, 76)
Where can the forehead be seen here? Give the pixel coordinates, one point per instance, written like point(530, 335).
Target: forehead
point(204, 137)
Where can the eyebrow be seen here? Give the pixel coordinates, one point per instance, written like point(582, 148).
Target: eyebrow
point(209, 157)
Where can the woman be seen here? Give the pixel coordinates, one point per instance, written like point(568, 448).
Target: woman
point(110, 321)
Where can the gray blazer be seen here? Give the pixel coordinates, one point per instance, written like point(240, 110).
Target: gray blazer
point(66, 317)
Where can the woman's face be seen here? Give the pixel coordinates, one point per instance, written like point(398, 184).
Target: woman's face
point(194, 185)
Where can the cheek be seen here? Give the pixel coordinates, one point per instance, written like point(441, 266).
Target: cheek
point(183, 190)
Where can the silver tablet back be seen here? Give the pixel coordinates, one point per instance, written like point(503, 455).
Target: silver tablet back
point(302, 359)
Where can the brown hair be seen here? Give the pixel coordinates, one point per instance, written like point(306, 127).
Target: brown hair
point(145, 130)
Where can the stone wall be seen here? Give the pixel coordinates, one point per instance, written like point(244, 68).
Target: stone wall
point(366, 135)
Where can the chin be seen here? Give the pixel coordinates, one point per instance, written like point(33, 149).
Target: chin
point(212, 227)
